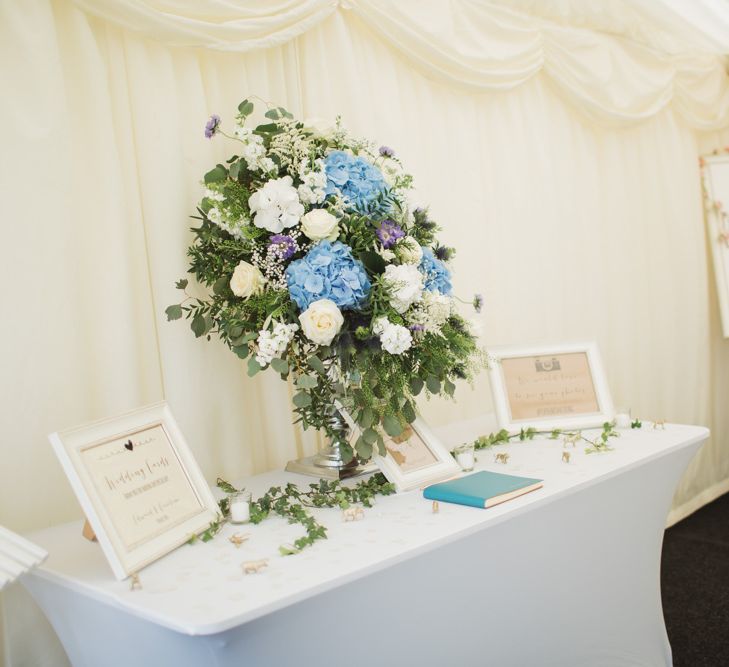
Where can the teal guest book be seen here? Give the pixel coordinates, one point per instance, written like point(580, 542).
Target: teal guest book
point(482, 489)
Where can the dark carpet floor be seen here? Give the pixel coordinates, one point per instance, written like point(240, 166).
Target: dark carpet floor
point(695, 587)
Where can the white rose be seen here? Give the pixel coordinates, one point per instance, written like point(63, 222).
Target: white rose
point(409, 250)
point(319, 224)
point(405, 285)
point(396, 339)
point(321, 321)
point(276, 205)
point(246, 280)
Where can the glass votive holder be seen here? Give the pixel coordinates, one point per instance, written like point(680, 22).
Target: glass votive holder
point(240, 507)
point(622, 418)
point(465, 457)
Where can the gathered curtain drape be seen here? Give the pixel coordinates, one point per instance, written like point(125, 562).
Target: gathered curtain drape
point(561, 162)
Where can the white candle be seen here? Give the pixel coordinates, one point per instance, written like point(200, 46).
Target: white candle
point(240, 508)
point(622, 420)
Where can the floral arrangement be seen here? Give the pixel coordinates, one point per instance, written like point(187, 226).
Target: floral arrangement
point(318, 268)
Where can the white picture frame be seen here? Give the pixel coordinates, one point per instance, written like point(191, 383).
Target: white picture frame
point(546, 387)
point(715, 183)
point(433, 462)
point(138, 484)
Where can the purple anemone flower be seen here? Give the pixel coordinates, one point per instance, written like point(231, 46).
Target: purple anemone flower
point(389, 232)
point(284, 245)
point(211, 127)
point(386, 151)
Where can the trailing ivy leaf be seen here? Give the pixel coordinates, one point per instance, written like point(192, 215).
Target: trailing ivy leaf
point(174, 312)
point(242, 351)
point(408, 411)
point(216, 175)
point(317, 364)
point(392, 426)
point(253, 366)
point(416, 385)
point(288, 550)
point(372, 261)
point(433, 384)
point(245, 108)
point(181, 284)
point(302, 400)
point(280, 366)
point(307, 381)
point(367, 418)
point(227, 487)
point(198, 325)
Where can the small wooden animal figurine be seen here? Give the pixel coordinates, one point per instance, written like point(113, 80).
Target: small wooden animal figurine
point(566, 457)
point(661, 424)
point(571, 439)
point(254, 566)
point(239, 538)
point(501, 458)
point(353, 514)
point(135, 585)
point(436, 507)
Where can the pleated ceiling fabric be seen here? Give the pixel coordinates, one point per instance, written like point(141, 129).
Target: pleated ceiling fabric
point(561, 162)
point(483, 46)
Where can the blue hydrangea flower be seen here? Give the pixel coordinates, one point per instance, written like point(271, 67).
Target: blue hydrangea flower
point(328, 271)
point(437, 276)
point(355, 178)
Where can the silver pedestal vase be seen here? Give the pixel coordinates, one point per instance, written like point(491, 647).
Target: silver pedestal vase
point(328, 463)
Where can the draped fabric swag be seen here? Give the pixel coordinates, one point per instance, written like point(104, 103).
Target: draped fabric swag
point(560, 160)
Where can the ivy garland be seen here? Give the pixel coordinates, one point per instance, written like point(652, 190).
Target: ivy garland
point(290, 502)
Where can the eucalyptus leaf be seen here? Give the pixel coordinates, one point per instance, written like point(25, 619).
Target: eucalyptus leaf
point(370, 436)
point(245, 108)
point(392, 426)
point(216, 175)
point(253, 367)
point(273, 114)
point(198, 325)
point(408, 411)
point(302, 400)
point(367, 418)
point(433, 384)
point(317, 364)
point(242, 351)
point(364, 448)
point(416, 385)
point(307, 381)
point(221, 285)
point(280, 366)
point(173, 312)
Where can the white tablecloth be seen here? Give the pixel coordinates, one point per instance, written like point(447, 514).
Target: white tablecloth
point(567, 575)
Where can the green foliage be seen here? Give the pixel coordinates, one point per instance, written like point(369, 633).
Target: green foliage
point(636, 423)
point(598, 444)
point(503, 437)
point(290, 502)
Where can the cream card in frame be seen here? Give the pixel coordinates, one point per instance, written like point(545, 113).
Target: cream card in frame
point(141, 489)
point(551, 386)
point(414, 459)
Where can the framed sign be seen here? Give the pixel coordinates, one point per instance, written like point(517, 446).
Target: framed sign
point(137, 482)
point(715, 181)
point(548, 387)
point(416, 458)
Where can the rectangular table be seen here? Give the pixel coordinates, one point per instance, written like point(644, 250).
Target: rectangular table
point(567, 575)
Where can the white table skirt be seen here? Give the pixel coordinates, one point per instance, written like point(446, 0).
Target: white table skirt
point(568, 575)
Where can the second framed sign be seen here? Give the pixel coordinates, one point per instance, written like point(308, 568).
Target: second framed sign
point(547, 387)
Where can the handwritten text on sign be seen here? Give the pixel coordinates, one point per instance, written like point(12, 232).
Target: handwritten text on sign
point(552, 385)
point(141, 483)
